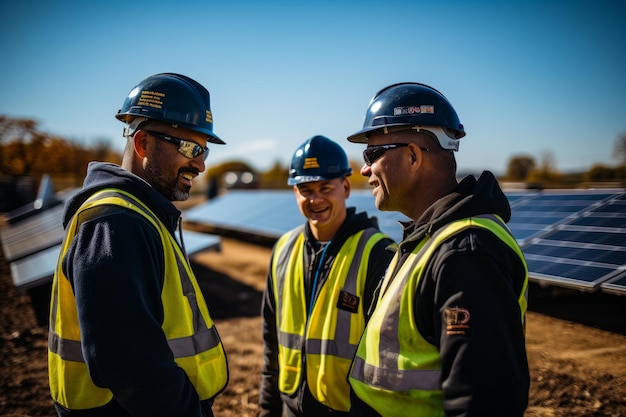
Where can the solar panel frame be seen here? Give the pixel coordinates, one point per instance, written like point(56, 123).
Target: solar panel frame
point(616, 285)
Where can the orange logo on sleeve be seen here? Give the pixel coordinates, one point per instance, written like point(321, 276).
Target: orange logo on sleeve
point(457, 320)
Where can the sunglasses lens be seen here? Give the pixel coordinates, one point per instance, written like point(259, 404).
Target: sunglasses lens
point(203, 151)
point(372, 154)
point(191, 149)
point(185, 147)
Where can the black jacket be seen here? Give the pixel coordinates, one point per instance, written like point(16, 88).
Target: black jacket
point(271, 400)
point(116, 267)
point(484, 372)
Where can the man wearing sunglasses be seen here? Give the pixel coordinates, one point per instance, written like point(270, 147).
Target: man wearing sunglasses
point(130, 332)
point(447, 335)
point(321, 282)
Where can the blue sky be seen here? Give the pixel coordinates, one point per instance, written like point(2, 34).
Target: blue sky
point(526, 77)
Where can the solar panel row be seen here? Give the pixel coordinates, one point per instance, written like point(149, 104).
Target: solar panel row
point(575, 239)
point(572, 238)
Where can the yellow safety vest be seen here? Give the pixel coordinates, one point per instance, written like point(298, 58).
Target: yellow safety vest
point(187, 324)
point(330, 335)
point(404, 372)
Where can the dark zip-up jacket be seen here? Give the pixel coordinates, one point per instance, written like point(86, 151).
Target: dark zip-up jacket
point(484, 371)
point(302, 402)
point(116, 267)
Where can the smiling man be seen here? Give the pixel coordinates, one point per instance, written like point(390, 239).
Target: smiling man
point(130, 332)
point(447, 335)
point(320, 285)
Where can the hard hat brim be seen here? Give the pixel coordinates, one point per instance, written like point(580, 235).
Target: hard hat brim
point(361, 135)
point(445, 141)
point(301, 179)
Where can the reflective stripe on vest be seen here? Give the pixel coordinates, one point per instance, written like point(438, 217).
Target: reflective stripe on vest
point(330, 335)
point(187, 324)
point(395, 368)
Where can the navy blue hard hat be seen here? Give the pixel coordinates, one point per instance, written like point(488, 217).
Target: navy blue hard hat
point(317, 159)
point(174, 99)
point(411, 105)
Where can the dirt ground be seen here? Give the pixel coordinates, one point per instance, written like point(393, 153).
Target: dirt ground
point(576, 342)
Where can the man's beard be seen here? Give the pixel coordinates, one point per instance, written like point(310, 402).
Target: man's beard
point(169, 190)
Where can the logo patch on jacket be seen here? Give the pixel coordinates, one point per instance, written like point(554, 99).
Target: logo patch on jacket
point(457, 320)
point(348, 302)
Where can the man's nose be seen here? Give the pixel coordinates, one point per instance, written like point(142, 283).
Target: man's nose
point(366, 170)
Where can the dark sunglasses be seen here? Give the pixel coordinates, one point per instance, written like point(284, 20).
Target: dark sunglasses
point(372, 153)
point(186, 147)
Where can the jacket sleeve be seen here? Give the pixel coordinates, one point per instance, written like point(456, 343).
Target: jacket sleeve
point(116, 266)
point(484, 363)
point(379, 259)
point(269, 395)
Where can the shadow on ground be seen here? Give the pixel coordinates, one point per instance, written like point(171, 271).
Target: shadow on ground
point(600, 310)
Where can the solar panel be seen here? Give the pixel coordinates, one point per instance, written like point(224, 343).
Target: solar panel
point(264, 213)
point(270, 213)
point(568, 272)
point(37, 232)
point(539, 212)
point(516, 197)
point(587, 253)
point(38, 268)
point(617, 221)
point(586, 248)
point(195, 242)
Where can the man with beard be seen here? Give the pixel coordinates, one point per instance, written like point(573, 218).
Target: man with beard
point(130, 332)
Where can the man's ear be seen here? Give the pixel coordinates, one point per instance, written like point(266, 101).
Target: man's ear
point(140, 141)
point(412, 154)
point(415, 157)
